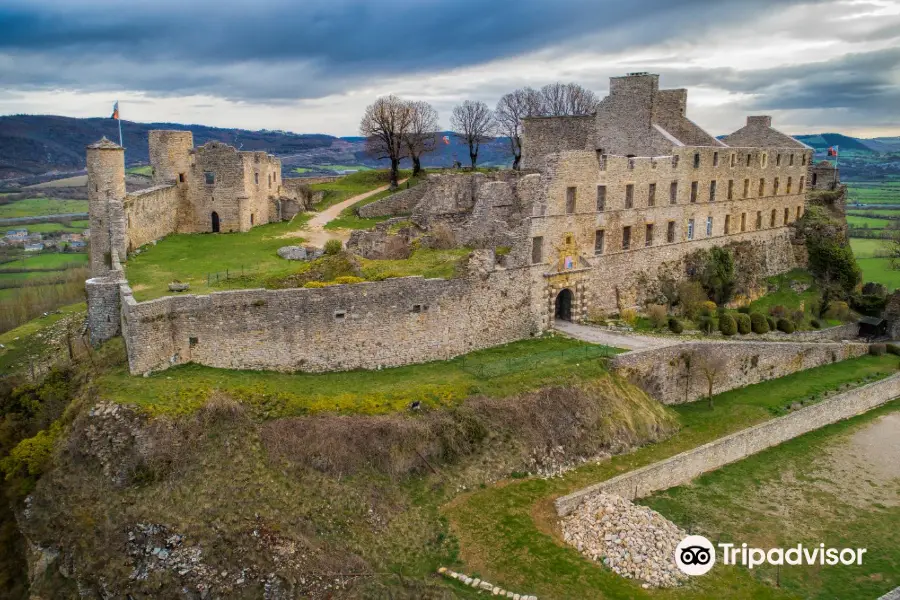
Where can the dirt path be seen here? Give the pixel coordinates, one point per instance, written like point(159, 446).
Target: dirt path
point(596, 335)
point(315, 233)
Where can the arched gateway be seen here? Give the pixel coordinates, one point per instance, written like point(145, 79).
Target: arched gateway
point(564, 304)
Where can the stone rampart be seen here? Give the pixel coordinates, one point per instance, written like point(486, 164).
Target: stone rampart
point(677, 374)
point(396, 204)
point(151, 214)
point(362, 326)
point(684, 467)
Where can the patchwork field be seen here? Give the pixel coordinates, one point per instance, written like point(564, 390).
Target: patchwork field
point(869, 222)
point(874, 192)
point(839, 486)
point(38, 207)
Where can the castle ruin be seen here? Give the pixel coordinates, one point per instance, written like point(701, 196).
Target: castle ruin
point(606, 209)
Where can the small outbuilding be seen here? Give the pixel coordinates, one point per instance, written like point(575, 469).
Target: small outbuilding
point(872, 327)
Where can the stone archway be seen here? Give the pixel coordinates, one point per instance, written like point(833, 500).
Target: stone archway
point(215, 222)
point(563, 304)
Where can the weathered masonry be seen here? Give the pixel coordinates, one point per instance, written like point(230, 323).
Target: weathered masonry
point(606, 208)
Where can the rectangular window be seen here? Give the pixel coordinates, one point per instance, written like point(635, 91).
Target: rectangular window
point(787, 190)
point(694, 186)
point(787, 214)
point(791, 162)
point(696, 160)
point(762, 188)
point(775, 187)
point(799, 211)
point(746, 188)
point(690, 231)
point(800, 186)
point(733, 159)
point(629, 196)
point(601, 198)
point(570, 200)
point(673, 193)
point(748, 159)
point(651, 195)
point(181, 177)
point(648, 235)
point(777, 160)
point(670, 232)
point(803, 160)
point(599, 240)
point(759, 219)
point(712, 191)
point(709, 226)
point(715, 159)
point(626, 238)
point(537, 250)
point(256, 179)
point(210, 177)
point(743, 222)
point(675, 162)
point(772, 219)
point(727, 224)
point(731, 189)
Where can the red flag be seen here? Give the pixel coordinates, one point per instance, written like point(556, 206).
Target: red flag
point(115, 114)
point(446, 140)
point(832, 151)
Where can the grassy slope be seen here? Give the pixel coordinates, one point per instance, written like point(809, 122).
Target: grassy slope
point(736, 504)
point(35, 207)
point(352, 185)
point(501, 371)
point(506, 531)
point(348, 219)
point(874, 268)
point(32, 338)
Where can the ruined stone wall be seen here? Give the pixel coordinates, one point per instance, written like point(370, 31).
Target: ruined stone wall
point(824, 176)
point(170, 155)
point(547, 135)
point(152, 214)
point(662, 372)
point(623, 277)
point(368, 325)
point(398, 203)
point(682, 468)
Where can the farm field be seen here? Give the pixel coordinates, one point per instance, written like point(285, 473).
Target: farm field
point(865, 248)
point(507, 533)
point(846, 475)
point(50, 260)
point(54, 227)
point(877, 192)
point(869, 222)
point(875, 267)
point(38, 207)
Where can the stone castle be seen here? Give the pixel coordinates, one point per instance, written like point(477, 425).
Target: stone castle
point(606, 210)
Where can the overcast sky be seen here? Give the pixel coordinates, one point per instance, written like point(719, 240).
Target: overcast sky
point(311, 66)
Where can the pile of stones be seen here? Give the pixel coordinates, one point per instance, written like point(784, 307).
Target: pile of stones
point(485, 586)
point(634, 541)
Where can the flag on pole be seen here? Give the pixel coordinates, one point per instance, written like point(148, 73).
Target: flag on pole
point(115, 114)
point(833, 151)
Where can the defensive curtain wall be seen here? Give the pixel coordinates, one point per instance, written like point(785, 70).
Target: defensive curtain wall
point(675, 374)
point(684, 467)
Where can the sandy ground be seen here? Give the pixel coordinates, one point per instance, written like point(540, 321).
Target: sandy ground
point(315, 233)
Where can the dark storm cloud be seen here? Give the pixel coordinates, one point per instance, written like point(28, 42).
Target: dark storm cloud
point(274, 50)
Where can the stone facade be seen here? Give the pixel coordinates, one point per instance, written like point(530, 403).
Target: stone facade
point(824, 175)
point(664, 374)
point(682, 468)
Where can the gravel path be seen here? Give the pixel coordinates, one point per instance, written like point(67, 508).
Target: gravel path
point(596, 335)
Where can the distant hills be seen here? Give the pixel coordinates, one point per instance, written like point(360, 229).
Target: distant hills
point(33, 147)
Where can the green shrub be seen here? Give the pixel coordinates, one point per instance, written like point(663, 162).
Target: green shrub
point(877, 349)
point(707, 325)
point(743, 323)
point(786, 326)
point(727, 325)
point(708, 308)
point(816, 324)
point(893, 349)
point(658, 315)
point(333, 247)
point(717, 276)
point(759, 323)
point(675, 325)
point(348, 279)
point(771, 322)
point(837, 310)
point(30, 456)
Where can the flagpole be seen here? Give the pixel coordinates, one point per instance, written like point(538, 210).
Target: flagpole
point(837, 155)
point(119, 119)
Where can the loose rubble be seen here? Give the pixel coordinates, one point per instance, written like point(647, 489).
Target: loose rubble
point(634, 541)
point(482, 585)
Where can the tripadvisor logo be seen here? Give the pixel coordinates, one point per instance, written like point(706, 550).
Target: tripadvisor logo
point(695, 555)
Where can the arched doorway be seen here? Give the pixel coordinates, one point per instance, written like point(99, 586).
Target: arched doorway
point(564, 305)
point(215, 222)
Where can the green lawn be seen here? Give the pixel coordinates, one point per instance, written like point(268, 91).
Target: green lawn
point(501, 371)
point(866, 248)
point(348, 219)
point(352, 185)
point(745, 503)
point(506, 532)
point(879, 270)
point(37, 207)
point(54, 260)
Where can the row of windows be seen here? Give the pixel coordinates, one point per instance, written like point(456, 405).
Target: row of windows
point(537, 243)
point(733, 160)
point(210, 178)
point(572, 192)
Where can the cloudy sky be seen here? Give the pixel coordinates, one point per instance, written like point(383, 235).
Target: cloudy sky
point(311, 66)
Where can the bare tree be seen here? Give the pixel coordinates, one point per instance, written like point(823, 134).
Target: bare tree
point(567, 99)
point(385, 126)
point(511, 110)
point(711, 368)
point(422, 136)
point(473, 123)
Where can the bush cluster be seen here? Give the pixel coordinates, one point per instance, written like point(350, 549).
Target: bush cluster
point(786, 326)
point(771, 322)
point(743, 323)
point(727, 325)
point(675, 326)
point(759, 324)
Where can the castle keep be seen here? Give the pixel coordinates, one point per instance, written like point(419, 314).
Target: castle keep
point(606, 210)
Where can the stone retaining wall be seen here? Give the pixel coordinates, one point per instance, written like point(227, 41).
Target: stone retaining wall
point(398, 203)
point(664, 372)
point(684, 467)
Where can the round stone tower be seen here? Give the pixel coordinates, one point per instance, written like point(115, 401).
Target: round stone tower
point(106, 195)
point(170, 155)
